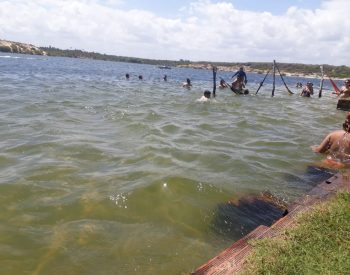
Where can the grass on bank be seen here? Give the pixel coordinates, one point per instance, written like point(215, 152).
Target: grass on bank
point(319, 243)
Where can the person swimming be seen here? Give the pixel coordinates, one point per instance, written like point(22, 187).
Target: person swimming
point(337, 146)
point(127, 76)
point(299, 85)
point(222, 84)
point(187, 84)
point(205, 97)
point(308, 90)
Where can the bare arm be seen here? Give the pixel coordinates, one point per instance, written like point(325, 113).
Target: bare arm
point(342, 91)
point(235, 74)
point(324, 146)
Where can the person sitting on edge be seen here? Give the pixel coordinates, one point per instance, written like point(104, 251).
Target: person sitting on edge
point(187, 84)
point(127, 76)
point(165, 78)
point(308, 90)
point(205, 97)
point(337, 145)
point(241, 80)
point(345, 90)
point(222, 84)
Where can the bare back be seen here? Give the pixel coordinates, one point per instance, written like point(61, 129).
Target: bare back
point(329, 142)
point(337, 145)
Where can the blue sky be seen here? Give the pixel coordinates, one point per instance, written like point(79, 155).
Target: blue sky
point(171, 7)
point(299, 31)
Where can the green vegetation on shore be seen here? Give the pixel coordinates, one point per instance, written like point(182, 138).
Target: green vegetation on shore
point(259, 67)
point(292, 68)
point(303, 69)
point(51, 51)
point(319, 243)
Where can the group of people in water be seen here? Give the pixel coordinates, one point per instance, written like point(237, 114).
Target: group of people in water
point(308, 90)
point(140, 77)
point(239, 83)
point(127, 76)
point(336, 144)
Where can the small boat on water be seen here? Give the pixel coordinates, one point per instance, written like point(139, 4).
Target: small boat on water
point(164, 67)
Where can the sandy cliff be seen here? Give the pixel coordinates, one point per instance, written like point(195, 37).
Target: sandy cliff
point(16, 47)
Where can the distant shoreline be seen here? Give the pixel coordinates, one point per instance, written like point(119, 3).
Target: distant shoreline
point(287, 69)
point(203, 66)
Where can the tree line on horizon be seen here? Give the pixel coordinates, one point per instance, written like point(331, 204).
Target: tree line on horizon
point(52, 51)
point(293, 68)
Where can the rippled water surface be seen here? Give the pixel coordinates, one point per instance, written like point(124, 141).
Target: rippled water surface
point(99, 175)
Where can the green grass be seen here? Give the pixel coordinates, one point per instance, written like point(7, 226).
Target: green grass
point(319, 243)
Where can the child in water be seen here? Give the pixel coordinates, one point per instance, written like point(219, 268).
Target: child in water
point(223, 84)
point(308, 90)
point(205, 97)
point(187, 84)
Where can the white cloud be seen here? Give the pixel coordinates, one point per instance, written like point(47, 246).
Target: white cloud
point(205, 30)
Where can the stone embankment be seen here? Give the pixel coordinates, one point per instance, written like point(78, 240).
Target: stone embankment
point(16, 47)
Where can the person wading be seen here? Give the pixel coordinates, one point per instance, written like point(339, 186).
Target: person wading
point(337, 146)
point(241, 79)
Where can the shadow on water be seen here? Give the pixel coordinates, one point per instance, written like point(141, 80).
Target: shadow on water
point(235, 219)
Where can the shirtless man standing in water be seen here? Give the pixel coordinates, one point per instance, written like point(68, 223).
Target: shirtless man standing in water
point(337, 145)
point(345, 90)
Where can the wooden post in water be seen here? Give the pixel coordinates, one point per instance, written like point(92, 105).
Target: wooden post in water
point(285, 84)
point(262, 82)
point(274, 78)
point(321, 84)
point(215, 69)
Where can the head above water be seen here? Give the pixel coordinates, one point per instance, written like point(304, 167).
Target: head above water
point(207, 94)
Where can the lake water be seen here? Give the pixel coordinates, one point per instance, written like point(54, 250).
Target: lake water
point(100, 175)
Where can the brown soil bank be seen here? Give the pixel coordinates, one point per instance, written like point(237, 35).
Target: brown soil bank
point(16, 47)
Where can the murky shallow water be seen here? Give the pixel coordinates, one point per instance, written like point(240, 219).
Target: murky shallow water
point(100, 175)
